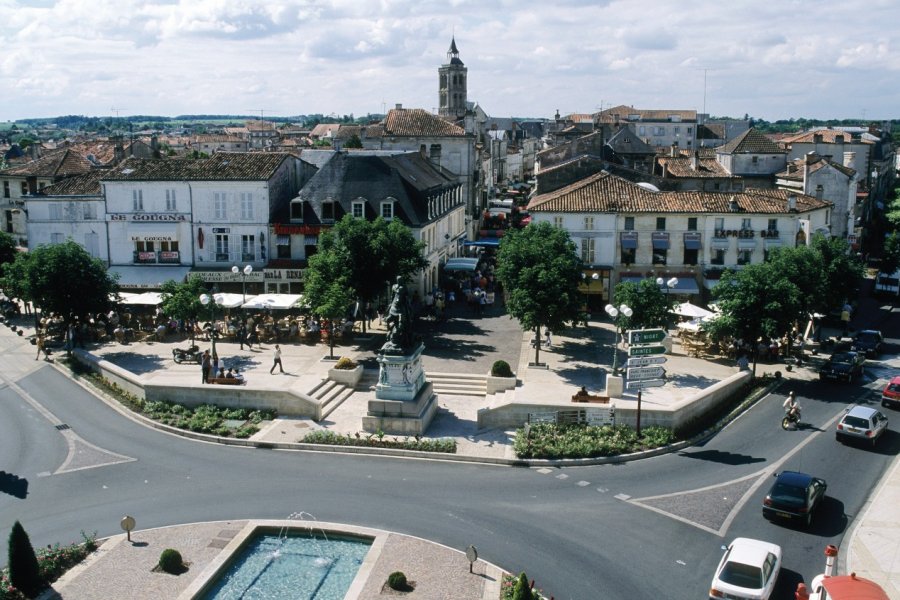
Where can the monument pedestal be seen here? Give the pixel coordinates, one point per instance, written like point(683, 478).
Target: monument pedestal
point(404, 402)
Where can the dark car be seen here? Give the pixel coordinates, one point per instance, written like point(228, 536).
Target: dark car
point(868, 342)
point(794, 496)
point(843, 365)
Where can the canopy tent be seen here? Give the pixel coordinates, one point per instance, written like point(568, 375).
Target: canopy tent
point(461, 264)
point(226, 300)
point(274, 301)
point(686, 309)
point(120, 297)
point(146, 299)
point(485, 242)
point(144, 277)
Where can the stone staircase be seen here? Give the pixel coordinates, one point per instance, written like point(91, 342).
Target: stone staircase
point(458, 384)
point(330, 394)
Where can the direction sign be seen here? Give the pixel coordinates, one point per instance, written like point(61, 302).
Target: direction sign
point(646, 336)
point(643, 361)
point(635, 373)
point(646, 350)
point(646, 383)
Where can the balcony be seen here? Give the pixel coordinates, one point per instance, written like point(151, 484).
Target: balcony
point(223, 257)
point(144, 258)
point(170, 257)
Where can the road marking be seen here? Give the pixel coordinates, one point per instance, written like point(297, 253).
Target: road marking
point(544, 470)
point(602, 490)
point(583, 483)
point(621, 496)
point(562, 476)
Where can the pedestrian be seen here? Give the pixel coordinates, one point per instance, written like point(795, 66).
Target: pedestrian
point(40, 346)
point(276, 360)
point(845, 319)
point(548, 341)
point(205, 364)
point(242, 335)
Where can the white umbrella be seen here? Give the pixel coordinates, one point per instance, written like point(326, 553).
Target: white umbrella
point(686, 309)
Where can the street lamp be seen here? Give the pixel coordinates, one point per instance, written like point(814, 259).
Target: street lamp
point(247, 270)
point(616, 313)
point(211, 301)
point(673, 282)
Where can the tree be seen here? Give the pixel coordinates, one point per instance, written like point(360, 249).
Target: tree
point(804, 267)
point(890, 256)
point(327, 288)
point(24, 572)
point(540, 274)
point(7, 248)
point(649, 304)
point(182, 300)
point(353, 142)
point(843, 270)
point(61, 278)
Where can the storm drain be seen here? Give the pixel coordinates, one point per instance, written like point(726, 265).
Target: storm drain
point(62, 427)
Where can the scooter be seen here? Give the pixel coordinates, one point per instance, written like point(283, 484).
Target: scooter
point(191, 354)
point(791, 419)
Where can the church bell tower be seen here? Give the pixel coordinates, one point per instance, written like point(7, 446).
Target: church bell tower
point(452, 86)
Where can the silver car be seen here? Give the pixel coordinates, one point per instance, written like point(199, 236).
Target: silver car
point(861, 423)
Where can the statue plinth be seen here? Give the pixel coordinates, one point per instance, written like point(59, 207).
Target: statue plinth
point(405, 401)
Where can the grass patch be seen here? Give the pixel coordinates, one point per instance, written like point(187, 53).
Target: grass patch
point(378, 440)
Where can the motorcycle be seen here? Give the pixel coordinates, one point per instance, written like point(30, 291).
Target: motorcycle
point(191, 354)
point(791, 418)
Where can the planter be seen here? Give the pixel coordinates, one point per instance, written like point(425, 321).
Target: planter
point(499, 384)
point(348, 377)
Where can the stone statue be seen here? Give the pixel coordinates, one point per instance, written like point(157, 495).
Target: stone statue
point(399, 321)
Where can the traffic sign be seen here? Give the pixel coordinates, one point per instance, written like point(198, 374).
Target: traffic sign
point(643, 361)
point(636, 373)
point(646, 383)
point(646, 350)
point(646, 336)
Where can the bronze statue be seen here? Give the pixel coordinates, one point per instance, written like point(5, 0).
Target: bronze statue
point(399, 320)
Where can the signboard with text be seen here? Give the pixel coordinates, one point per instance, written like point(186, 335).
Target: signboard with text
point(637, 373)
point(644, 361)
point(647, 383)
point(646, 336)
point(646, 350)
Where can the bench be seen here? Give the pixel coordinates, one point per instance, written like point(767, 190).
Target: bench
point(590, 398)
point(225, 380)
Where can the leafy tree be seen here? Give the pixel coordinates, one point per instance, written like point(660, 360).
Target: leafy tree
point(648, 302)
point(890, 255)
point(842, 269)
point(327, 288)
point(182, 300)
point(7, 248)
point(803, 266)
point(892, 214)
point(24, 572)
point(61, 278)
point(540, 273)
point(353, 142)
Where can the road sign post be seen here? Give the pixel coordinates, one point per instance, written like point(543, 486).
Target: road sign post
point(646, 350)
point(646, 336)
point(645, 361)
point(644, 373)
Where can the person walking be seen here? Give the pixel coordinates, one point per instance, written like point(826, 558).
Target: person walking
point(276, 360)
point(242, 335)
point(40, 347)
point(205, 365)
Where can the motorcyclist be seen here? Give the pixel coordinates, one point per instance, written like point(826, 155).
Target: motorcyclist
point(791, 407)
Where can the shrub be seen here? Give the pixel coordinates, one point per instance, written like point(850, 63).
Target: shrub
point(24, 572)
point(170, 561)
point(345, 364)
point(501, 368)
point(397, 581)
point(331, 438)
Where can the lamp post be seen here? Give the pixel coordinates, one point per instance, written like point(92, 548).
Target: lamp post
point(243, 273)
point(668, 284)
point(211, 301)
point(616, 313)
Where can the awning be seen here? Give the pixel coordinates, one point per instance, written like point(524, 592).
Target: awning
point(274, 301)
point(773, 242)
point(310, 240)
point(226, 300)
point(692, 241)
point(629, 243)
point(745, 244)
point(486, 242)
point(147, 299)
point(149, 277)
point(461, 264)
point(718, 242)
point(661, 243)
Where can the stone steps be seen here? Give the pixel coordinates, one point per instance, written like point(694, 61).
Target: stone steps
point(458, 384)
point(330, 395)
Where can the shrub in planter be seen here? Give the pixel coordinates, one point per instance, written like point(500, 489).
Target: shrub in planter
point(397, 581)
point(501, 368)
point(345, 364)
point(24, 572)
point(170, 561)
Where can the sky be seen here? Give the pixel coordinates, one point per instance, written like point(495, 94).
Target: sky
point(770, 60)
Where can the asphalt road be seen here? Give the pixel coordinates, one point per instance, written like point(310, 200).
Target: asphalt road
point(651, 528)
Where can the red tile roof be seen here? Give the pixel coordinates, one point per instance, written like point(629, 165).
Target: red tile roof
point(61, 163)
point(224, 166)
point(751, 141)
point(829, 136)
point(419, 122)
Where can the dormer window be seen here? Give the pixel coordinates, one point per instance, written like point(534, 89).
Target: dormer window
point(359, 209)
point(328, 212)
point(297, 212)
point(387, 210)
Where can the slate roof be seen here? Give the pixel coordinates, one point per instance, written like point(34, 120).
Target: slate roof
point(87, 184)
point(419, 122)
point(751, 141)
point(627, 141)
point(609, 115)
point(794, 171)
point(58, 164)
point(224, 166)
point(710, 131)
point(607, 193)
point(829, 136)
point(682, 166)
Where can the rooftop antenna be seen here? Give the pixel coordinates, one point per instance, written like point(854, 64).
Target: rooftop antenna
point(117, 111)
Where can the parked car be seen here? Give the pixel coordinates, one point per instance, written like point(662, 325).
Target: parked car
point(748, 569)
point(890, 395)
point(868, 342)
point(794, 495)
point(861, 423)
point(843, 365)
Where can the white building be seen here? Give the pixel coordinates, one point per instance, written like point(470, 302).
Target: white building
point(825, 179)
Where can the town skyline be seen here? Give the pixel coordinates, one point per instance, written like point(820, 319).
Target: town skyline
point(524, 59)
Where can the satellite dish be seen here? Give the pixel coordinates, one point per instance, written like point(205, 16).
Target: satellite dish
point(648, 186)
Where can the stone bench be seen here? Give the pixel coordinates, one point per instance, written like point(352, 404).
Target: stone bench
point(596, 399)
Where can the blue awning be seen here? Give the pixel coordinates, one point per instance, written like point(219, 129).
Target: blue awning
point(690, 244)
point(461, 264)
point(629, 243)
point(487, 242)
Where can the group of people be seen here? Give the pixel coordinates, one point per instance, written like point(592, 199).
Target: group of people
point(211, 367)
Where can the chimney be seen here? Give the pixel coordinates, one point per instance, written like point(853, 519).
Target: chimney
point(849, 159)
point(673, 151)
point(398, 106)
point(733, 205)
point(695, 160)
point(119, 153)
point(817, 138)
point(35, 150)
point(810, 157)
point(839, 139)
point(792, 203)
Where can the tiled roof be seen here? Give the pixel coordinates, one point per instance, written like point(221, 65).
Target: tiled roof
point(609, 115)
point(829, 136)
point(224, 166)
point(751, 142)
point(324, 130)
point(61, 163)
point(419, 122)
point(627, 141)
point(682, 166)
point(710, 131)
point(212, 138)
point(87, 184)
point(794, 171)
point(606, 193)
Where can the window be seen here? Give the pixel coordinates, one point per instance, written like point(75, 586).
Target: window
point(692, 223)
point(170, 200)
point(246, 206)
point(169, 246)
point(558, 221)
point(690, 256)
point(387, 210)
point(359, 210)
point(828, 217)
point(690, 130)
point(55, 212)
point(717, 185)
point(587, 250)
point(589, 223)
point(297, 212)
point(744, 257)
point(24, 188)
point(219, 205)
point(660, 255)
point(284, 246)
point(57, 238)
point(435, 153)
point(629, 223)
point(248, 249)
point(718, 256)
point(660, 131)
point(755, 160)
point(642, 130)
point(773, 225)
point(142, 246)
point(89, 211)
point(327, 211)
point(628, 256)
point(720, 223)
point(677, 129)
point(92, 244)
point(222, 247)
point(6, 189)
point(660, 223)
point(820, 191)
point(745, 224)
point(137, 199)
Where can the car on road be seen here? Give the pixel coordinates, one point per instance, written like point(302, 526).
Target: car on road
point(861, 423)
point(794, 496)
point(890, 395)
point(868, 342)
point(843, 365)
point(748, 569)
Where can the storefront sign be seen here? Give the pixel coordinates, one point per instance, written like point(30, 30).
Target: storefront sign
point(221, 229)
point(153, 238)
point(281, 229)
point(168, 255)
point(283, 274)
point(148, 217)
point(228, 276)
point(146, 256)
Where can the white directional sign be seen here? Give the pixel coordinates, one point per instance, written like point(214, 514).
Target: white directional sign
point(644, 361)
point(637, 385)
point(635, 373)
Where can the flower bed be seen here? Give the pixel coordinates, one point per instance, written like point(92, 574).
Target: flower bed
point(550, 441)
point(53, 562)
point(377, 440)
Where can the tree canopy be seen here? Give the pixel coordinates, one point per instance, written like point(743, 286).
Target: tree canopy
point(182, 300)
point(540, 273)
point(7, 248)
point(648, 302)
point(326, 286)
point(843, 271)
point(890, 255)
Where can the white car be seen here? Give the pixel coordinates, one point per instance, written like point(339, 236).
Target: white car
point(861, 423)
point(747, 571)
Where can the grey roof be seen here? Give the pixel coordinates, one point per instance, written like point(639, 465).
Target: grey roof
point(751, 142)
point(627, 141)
